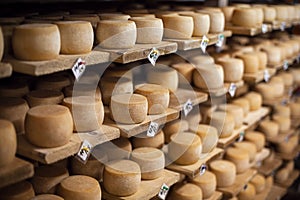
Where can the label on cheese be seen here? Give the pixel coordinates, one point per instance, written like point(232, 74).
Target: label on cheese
point(164, 189)
point(78, 68)
point(282, 26)
point(241, 138)
point(152, 130)
point(204, 43)
point(84, 151)
point(264, 28)
point(232, 89)
point(187, 107)
point(285, 65)
point(202, 169)
point(153, 56)
point(266, 75)
point(220, 41)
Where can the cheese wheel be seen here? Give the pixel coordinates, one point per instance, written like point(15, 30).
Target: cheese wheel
point(266, 90)
point(282, 175)
point(143, 140)
point(209, 137)
point(143, 15)
point(1, 43)
point(117, 149)
point(273, 53)
point(79, 187)
point(82, 90)
point(255, 100)
point(251, 62)
point(225, 172)
point(187, 191)
point(201, 23)
point(185, 148)
point(217, 20)
point(283, 122)
point(248, 193)
point(259, 182)
point(193, 119)
point(47, 197)
point(92, 18)
point(228, 12)
point(122, 177)
point(243, 103)
point(249, 147)
point(245, 17)
point(201, 59)
point(149, 30)
point(269, 14)
point(173, 127)
point(14, 109)
point(185, 72)
point(14, 89)
point(8, 142)
point(116, 34)
point(239, 157)
point(46, 178)
point(52, 82)
point(44, 97)
point(18, 191)
point(233, 69)
point(207, 182)
point(223, 121)
point(281, 12)
point(113, 16)
point(236, 111)
point(48, 125)
point(124, 71)
point(295, 109)
point(269, 128)
point(290, 166)
point(262, 58)
point(178, 27)
point(259, 15)
point(278, 85)
point(282, 110)
point(128, 108)
point(287, 146)
point(150, 160)
point(208, 76)
point(257, 138)
point(36, 42)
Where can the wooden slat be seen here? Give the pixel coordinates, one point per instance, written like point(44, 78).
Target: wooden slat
point(225, 142)
point(216, 196)
point(267, 168)
point(292, 177)
point(260, 156)
point(5, 70)
point(256, 116)
point(239, 30)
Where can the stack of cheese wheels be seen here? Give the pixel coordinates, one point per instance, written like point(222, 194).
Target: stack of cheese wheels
point(116, 34)
point(178, 27)
point(47, 197)
point(172, 128)
point(278, 85)
point(48, 125)
point(257, 138)
point(54, 82)
point(46, 178)
point(251, 62)
point(281, 12)
point(248, 193)
point(246, 17)
point(14, 110)
point(243, 103)
point(1, 44)
point(150, 160)
point(201, 60)
point(225, 172)
point(217, 20)
point(207, 182)
point(269, 14)
point(255, 100)
point(122, 177)
point(18, 191)
point(266, 90)
point(259, 182)
point(282, 175)
point(273, 53)
point(282, 110)
point(209, 137)
point(283, 122)
point(269, 128)
point(164, 76)
point(113, 16)
point(185, 148)
point(185, 72)
point(157, 96)
point(228, 12)
point(209, 76)
point(117, 149)
point(239, 157)
point(233, 69)
point(14, 89)
point(79, 187)
point(92, 18)
point(186, 191)
point(295, 110)
point(8, 142)
point(223, 121)
point(236, 111)
point(143, 140)
point(201, 23)
point(249, 147)
point(82, 90)
point(79, 43)
point(149, 30)
point(36, 42)
point(128, 108)
point(87, 112)
point(44, 97)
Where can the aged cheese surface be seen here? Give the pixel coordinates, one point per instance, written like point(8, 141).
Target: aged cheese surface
point(259, 182)
point(236, 111)
point(243, 103)
point(223, 121)
point(249, 147)
point(44, 97)
point(245, 17)
point(201, 23)
point(248, 193)
point(8, 142)
point(207, 182)
point(255, 100)
point(142, 140)
point(225, 172)
point(187, 191)
point(257, 138)
point(178, 27)
point(18, 191)
point(209, 137)
point(240, 157)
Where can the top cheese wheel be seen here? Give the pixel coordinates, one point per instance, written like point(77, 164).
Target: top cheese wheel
point(178, 27)
point(185, 72)
point(119, 148)
point(8, 142)
point(18, 191)
point(44, 97)
point(187, 191)
point(273, 53)
point(36, 42)
point(217, 20)
point(233, 69)
point(209, 137)
point(142, 140)
point(223, 121)
point(113, 16)
point(245, 17)
point(210, 76)
point(255, 100)
point(269, 14)
point(243, 103)
point(259, 183)
point(251, 62)
point(282, 110)
point(173, 127)
point(257, 138)
point(225, 172)
point(240, 157)
point(269, 128)
point(201, 23)
point(248, 193)
point(201, 59)
point(249, 147)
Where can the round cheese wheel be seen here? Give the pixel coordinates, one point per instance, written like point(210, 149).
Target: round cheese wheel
point(283, 122)
point(262, 58)
point(117, 149)
point(150, 160)
point(1, 44)
point(228, 12)
point(201, 23)
point(259, 182)
point(223, 121)
point(208, 76)
point(266, 90)
point(48, 125)
point(187, 191)
point(82, 90)
point(236, 111)
point(259, 15)
point(269, 128)
point(278, 85)
point(18, 191)
point(173, 127)
point(209, 137)
point(44, 97)
point(207, 182)
point(248, 193)
point(185, 148)
point(239, 157)
point(282, 110)
point(14, 109)
point(243, 103)
point(233, 69)
point(79, 187)
point(46, 178)
point(282, 175)
point(249, 147)
point(185, 72)
point(113, 16)
point(52, 82)
point(295, 109)
point(251, 62)
point(255, 100)
point(122, 177)
point(14, 89)
point(290, 166)
point(225, 172)
point(92, 18)
point(128, 108)
point(116, 34)
point(8, 142)
point(217, 20)
point(281, 12)
point(149, 30)
point(273, 54)
point(296, 75)
point(36, 42)
point(257, 138)
point(47, 197)
point(143, 140)
point(178, 27)
point(245, 17)
point(201, 59)
point(287, 146)
point(269, 14)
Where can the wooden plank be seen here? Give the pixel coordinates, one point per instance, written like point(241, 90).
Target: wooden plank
point(281, 137)
point(138, 52)
point(255, 116)
point(186, 44)
point(237, 84)
point(63, 62)
point(225, 142)
point(239, 30)
point(15, 172)
point(216, 196)
point(260, 156)
point(263, 195)
point(276, 193)
point(267, 168)
point(254, 78)
point(240, 181)
point(148, 188)
point(289, 182)
point(5, 70)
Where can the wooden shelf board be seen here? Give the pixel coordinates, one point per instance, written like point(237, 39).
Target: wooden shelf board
point(289, 156)
point(129, 130)
point(276, 66)
point(253, 78)
point(18, 170)
point(260, 156)
point(281, 137)
point(138, 52)
point(268, 167)
point(186, 44)
point(225, 142)
point(256, 116)
point(148, 188)
point(216, 196)
point(263, 195)
point(240, 181)
point(5, 70)
point(276, 193)
point(289, 182)
point(239, 30)
point(63, 62)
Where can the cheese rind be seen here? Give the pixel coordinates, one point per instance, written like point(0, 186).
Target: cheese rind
point(257, 138)
point(217, 20)
point(53, 82)
point(248, 193)
point(223, 121)
point(269, 128)
point(209, 76)
point(233, 69)
point(8, 142)
point(225, 172)
point(245, 17)
point(255, 100)
point(251, 62)
point(228, 12)
point(283, 122)
point(201, 23)
point(209, 137)
point(249, 147)
point(18, 191)
point(239, 157)
point(171, 128)
point(44, 97)
point(236, 111)
point(207, 182)
point(187, 191)
point(259, 182)
point(243, 103)
point(178, 27)
point(119, 148)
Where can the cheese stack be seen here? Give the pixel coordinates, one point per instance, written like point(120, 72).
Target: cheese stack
point(207, 182)
point(236, 111)
point(243, 103)
point(18, 191)
point(164, 76)
point(209, 76)
point(8, 142)
point(269, 128)
point(217, 20)
point(249, 147)
point(225, 172)
point(44, 97)
point(117, 149)
point(223, 121)
point(201, 23)
point(257, 138)
point(233, 69)
point(255, 100)
point(178, 27)
point(239, 157)
point(266, 90)
point(248, 193)
point(186, 191)
point(142, 140)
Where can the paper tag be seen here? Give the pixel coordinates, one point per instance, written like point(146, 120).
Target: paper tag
point(220, 41)
point(266, 75)
point(282, 26)
point(232, 89)
point(84, 151)
point(204, 43)
point(264, 28)
point(187, 107)
point(153, 56)
point(152, 130)
point(203, 169)
point(285, 65)
point(241, 138)
point(78, 68)
point(164, 189)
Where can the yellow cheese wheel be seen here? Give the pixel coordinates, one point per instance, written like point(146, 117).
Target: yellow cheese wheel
point(185, 148)
point(246, 17)
point(249, 147)
point(257, 138)
point(201, 23)
point(209, 137)
point(44, 97)
point(269, 128)
point(239, 157)
point(150, 160)
point(82, 90)
point(223, 121)
point(259, 182)
point(187, 191)
point(36, 42)
point(251, 62)
point(228, 12)
point(173, 127)
point(269, 14)
point(116, 34)
point(217, 20)
point(281, 12)
point(92, 18)
point(1, 43)
point(178, 27)
point(233, 69)
point(255, 100)
point(248, 193)
point(287, 78)
point(207, 182)
point(243, 103)
point(287, 146)
point(143, 140)
point(18, 191)
point(48, 125)
point(295, 109)
point(266, 90)
point(53, 82)
point(117, 149)
point(259, 15)
point(8, 142)
point(273, 53)
point(47, 197)
point(262, 58)
point(225, 172)
point(283, 122)
point(201, 59)
point(185, 72)
point(14, 89)
point(122, 177)
point(113, 16)
point(79, 187)
point(209, 76)
point(282, 110)
point(236, 111)
point(282, 175)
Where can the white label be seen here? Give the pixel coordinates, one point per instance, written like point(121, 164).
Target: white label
point(204, 43)
point(203, 169)
point(264, 28)
point(84, 151)
point(164, 189)
point(241, 138)
point(152, 130)
point(232, 89)
point(285, 65)
point(282, 26)
point(220, 41)
point(266, 75)
point(153, 56)
point(187, 107)
point(78, 68)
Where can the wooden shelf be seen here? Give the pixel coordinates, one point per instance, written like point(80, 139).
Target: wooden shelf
point(255, 116)
point(253, 78)
point(239, 30)
point(63, 62)
point(238, 84)
point(5, 70)
point(240, 181)
point(18, 170)
point(138, 52)
point(276, 193)
point(225, 142)
point(281, 137)
point(148, 188)
point(289, 156)
point(263, 195)
point(216, 196)
point(267, 168)
point(260, 156)
point(289, 182)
